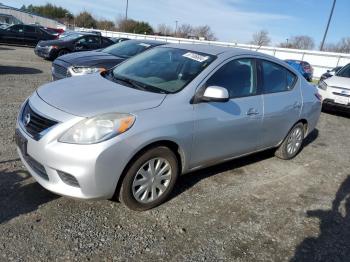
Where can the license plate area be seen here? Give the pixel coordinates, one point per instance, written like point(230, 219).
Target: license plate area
point(21, 142)
point(341, 100)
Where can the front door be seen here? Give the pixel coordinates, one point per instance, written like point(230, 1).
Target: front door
point(233, 128)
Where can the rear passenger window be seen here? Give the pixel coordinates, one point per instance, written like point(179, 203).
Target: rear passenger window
point(276, 78)
point(237, 76)
point(29, 29)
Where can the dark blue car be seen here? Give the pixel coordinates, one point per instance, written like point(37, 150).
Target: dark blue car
point(303, 67)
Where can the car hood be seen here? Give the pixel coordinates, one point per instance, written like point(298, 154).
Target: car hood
point(337, 81)
point(89, 58)
point(92, 95)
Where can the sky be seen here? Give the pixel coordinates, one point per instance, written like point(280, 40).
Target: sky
point(231, 20)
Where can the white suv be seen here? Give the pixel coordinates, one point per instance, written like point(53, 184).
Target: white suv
point(335, 90)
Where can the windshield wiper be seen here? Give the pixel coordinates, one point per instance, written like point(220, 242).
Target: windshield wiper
point(131, 82)
point(137, 85)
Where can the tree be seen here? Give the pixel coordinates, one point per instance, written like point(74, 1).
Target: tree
point(165, 30)
point(261, 38)
point(48, 10)
point(204, 32)
point(184, 31)
point(343, 46)
point(85, 19)
point(105, 24)
point(132, 26)
point(299, 42)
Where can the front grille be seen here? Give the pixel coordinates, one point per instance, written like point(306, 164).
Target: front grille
point(60, 70)
point(68, 179)
point(36, 166)
point(34, 123)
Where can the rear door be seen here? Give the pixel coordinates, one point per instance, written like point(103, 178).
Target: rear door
point(282, 101)
point(30, 35)
point(233, 128)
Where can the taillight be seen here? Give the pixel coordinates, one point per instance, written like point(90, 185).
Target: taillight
point(307, 68)
point(318, 96)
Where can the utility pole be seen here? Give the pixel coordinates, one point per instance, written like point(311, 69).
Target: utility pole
point(176, 27)
point(126, 10)
point(329, 21)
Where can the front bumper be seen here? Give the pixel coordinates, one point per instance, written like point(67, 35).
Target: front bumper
point(42, 51)
point(329, 99)
point(95, 168)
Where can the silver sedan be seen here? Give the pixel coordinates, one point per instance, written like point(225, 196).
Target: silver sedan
point(131, 131)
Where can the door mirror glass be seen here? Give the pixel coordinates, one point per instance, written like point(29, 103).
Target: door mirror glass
point(215, 94)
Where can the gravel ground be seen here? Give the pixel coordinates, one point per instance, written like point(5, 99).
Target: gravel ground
point(258, 208)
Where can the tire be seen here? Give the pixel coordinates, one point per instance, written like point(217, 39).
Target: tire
point(62, 52)
point(161, 158)
point(285, 150)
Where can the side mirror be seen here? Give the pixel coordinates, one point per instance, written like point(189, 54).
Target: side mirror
point(215, 94)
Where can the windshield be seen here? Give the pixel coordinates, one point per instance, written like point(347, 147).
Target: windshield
point(165, 69)
point(127, 49)
point(344, 72)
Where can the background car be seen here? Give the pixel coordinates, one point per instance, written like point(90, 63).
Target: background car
point(74, 42)
point(303, 67)
point(131, 131)
point(82, 63)
point(330, 73)
point(21, 34)
point(335, 90)
point(118, 39)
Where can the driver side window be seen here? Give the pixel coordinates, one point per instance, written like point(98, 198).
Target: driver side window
point(237, 76)
point(16, 28)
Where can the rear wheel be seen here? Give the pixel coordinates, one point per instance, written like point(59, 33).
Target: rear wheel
point(292, 144)
point(150, 179)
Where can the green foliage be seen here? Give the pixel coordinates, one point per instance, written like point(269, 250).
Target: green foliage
point(85, 19)
point(137, 27)
point(48, 10)
point(105, 25)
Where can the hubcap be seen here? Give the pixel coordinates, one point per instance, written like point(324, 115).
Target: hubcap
point(151, 180)
point(294, 141)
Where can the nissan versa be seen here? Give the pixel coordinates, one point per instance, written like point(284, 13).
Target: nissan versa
point(129, 132)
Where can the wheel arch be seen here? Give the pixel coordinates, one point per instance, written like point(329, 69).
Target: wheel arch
point(173, 146)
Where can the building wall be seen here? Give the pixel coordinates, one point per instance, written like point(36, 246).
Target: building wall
point(28, 18)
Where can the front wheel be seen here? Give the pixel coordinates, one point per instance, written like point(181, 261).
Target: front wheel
point(150, 179)
point(62, 52)
point(292, 144)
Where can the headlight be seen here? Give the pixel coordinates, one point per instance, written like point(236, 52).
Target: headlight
point(80, 70)
point(322, 85)
point(99, 128)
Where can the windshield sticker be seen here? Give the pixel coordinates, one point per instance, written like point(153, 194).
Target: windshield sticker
point(196, 57)
point(145, 45)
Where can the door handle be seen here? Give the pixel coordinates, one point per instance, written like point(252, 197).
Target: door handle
point(252, 112)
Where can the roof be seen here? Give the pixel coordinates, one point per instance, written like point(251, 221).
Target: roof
point(150, 42)
point(214, 49)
